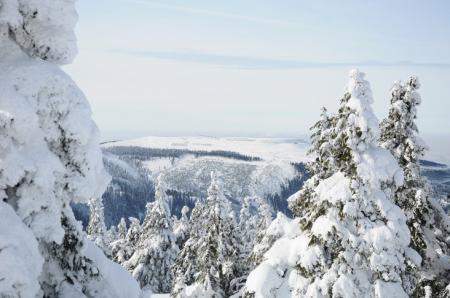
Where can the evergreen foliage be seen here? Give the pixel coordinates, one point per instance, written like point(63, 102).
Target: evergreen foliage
point(263, 237)
point(354, 239)
point(209, 258)
point(96, 229)
point(155, 250)
point(428, 224)
point(182, 227)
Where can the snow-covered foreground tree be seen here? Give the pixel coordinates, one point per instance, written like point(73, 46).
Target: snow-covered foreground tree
point(353, 240)
point(156, 250)
point(266, 238)
point(427, 221)
point(20, 259)
point(208, 262)
point(49, 158)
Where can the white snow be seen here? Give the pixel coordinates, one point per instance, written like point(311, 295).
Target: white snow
point(49, 157)
point(333, 189)
point(241, 178)
point(116, 282)
point(267, 148)
point(20, 260)
point(120, 163)
point(34, 95)
point(355, 208)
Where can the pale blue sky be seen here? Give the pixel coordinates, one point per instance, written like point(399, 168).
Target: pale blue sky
point(253, 67)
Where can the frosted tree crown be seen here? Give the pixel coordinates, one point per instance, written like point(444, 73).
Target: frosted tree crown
point(42, 28)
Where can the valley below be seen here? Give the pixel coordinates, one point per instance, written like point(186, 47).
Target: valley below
point(270, 168)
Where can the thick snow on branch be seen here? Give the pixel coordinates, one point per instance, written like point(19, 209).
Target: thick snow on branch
point(42, 28)
point(50, 154)
point(352, 240)
point(20, 259)
point(49, 158)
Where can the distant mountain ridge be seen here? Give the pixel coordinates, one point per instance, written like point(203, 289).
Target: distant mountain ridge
point(270, 168)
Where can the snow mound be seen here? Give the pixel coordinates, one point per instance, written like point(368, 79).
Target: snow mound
point(116, 281)
point(271, 279)
point(18, 250)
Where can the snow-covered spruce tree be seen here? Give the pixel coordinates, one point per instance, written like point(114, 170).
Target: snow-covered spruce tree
point(354, 239)
point(123, 248)
point(96, 228)
point(248, 222)
point(427, 221)
point(212, 251)
point(49, 153)
point(122, 229)
point(322, 141)
point(156, 249)
point(134, 232)
point(186, 264)
point(181, 227)
point(120, 252)
point(324, 162)
point(248, 226)
point(111, 236)
point(263, 238)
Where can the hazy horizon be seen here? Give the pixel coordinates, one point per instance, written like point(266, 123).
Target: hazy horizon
point(438, 144)
point(253, 69)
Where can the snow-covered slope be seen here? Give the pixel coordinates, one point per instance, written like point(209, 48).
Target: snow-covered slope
point(270, 168)
point(280, 149)
point(246, 166)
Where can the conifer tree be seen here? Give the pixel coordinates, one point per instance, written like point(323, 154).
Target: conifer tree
point(156, 249)
point(96, 228)
point(322, 137)
point(133, 233)
point(120, 252)
point(246, 231)
point(353, 240)
point(124, 248)
point(427, 221)
point(187, 264)
point(248, 224)
point(263, 238)
point(181, 227)
point(213, 265)
point(50, 155)
point(324, 163)
point(111, 235)
point(122, 229)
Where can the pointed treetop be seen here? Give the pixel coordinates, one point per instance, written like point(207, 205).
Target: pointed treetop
point(161, 197)
point(185, 211)
point(359, 99)
point(213, 189)
point(122, 228)
point(413, 82)
point(217, 198)
point(359, 88)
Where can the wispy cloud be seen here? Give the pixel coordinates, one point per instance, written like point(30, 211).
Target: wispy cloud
point(245, 62)
point(215, 13)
